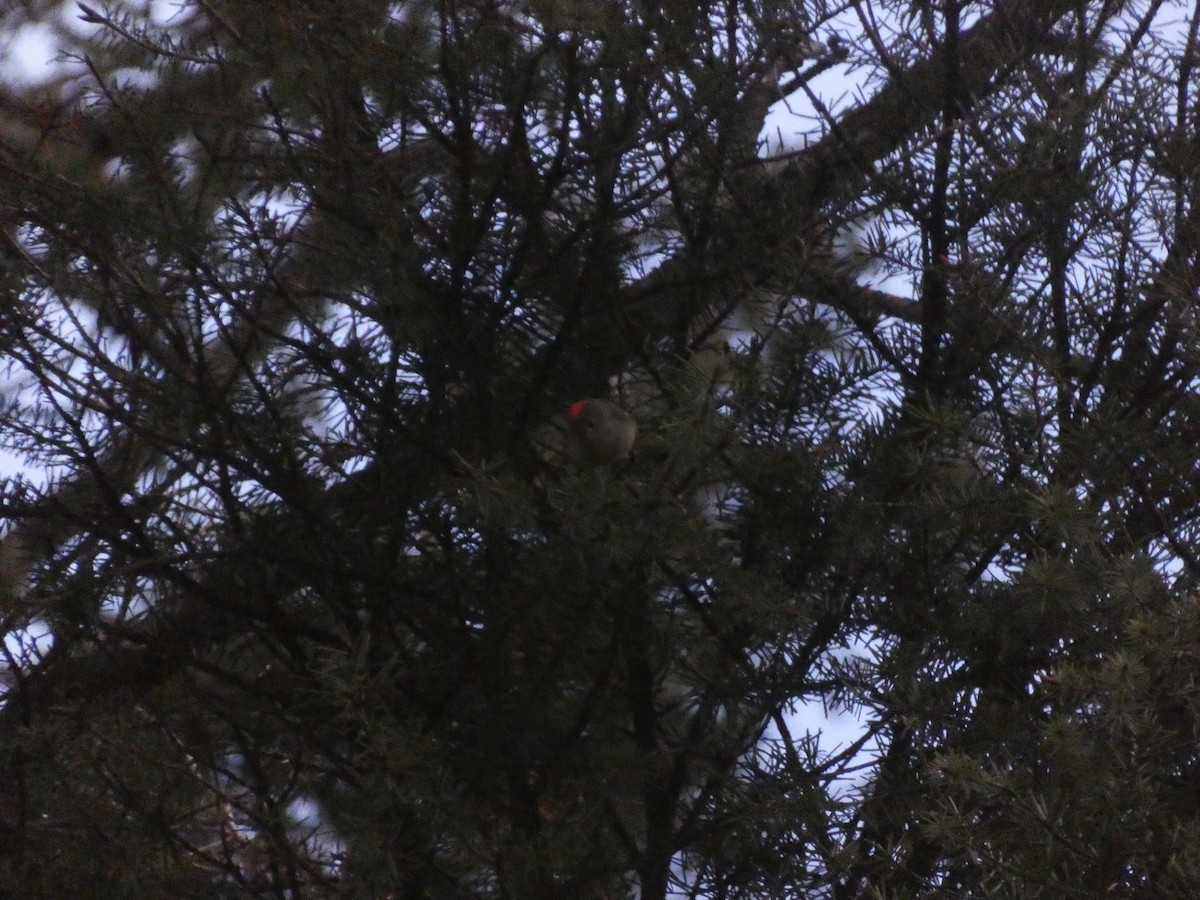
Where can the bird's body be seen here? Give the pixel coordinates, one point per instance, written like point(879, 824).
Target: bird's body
point(598, 432)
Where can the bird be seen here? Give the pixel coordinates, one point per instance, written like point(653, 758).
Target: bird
point(598, 432)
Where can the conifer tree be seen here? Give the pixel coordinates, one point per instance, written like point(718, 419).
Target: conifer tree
point(305, 592)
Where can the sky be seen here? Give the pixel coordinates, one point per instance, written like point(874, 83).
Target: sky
point(29, 56)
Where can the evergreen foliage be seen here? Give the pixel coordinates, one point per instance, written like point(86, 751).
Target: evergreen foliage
point(302, 599)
